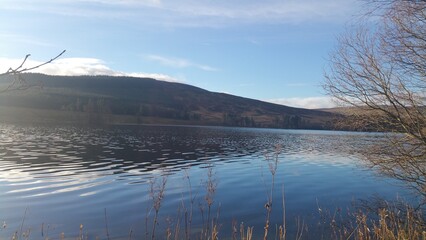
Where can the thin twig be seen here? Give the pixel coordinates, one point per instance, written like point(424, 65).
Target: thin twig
point(23, 220)
point(19, 70)
point(106, 223)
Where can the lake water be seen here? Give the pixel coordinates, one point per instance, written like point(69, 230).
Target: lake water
point(52, 179)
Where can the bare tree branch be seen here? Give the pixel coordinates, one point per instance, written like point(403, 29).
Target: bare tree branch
point(380, 72)
point(18, 82)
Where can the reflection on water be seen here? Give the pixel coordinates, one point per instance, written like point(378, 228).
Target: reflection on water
point(68, 175)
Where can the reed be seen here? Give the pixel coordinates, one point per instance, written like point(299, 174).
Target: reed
point(273, 161)
point(188, 211)
point(391, 225)
point(211, 186)
point(386, 222)
point(157, 194)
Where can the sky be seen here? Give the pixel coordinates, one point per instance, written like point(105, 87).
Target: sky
point(270, 50)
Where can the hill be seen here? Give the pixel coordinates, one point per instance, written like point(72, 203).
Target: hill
point(129, 100)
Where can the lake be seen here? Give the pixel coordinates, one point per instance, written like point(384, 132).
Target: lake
point(54, 178)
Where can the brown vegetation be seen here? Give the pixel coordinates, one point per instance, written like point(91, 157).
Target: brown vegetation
point(368, 221)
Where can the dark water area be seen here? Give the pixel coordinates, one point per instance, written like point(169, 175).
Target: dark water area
point(62, 176)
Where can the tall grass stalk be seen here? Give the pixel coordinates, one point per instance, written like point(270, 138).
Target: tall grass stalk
point(130, 233)
point(246, 235)
point(211, 186)
point(300, 228)
point(20, 233)
point(391, 225)
point(283, 228)
point(157, 195)
point(80, 235)
point(106, 223)
point(174, 232)
point(273, 165)
point(188, 213)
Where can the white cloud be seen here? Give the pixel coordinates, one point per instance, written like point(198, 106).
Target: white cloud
point(180, 63)
point(131, 3)
point(270, 11)
point(158, 76)
point(308, 102)
point(192, 13)
point(79, 66)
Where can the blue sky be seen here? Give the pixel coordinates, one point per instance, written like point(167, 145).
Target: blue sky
point(272, 50)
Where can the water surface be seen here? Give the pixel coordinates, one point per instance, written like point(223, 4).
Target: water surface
point(65, 176)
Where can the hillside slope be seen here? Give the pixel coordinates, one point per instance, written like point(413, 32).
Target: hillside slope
point(100, 99)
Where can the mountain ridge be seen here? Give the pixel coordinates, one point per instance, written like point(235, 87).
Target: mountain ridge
point(143, 98)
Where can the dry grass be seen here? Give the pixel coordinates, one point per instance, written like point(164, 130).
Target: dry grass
point(391, 225)
point(387, 225)
point(388, 222)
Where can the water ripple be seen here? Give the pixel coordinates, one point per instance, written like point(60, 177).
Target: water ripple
point(56, 167)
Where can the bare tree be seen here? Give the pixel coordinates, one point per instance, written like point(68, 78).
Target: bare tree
point(379, 69)
point(18, 82)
